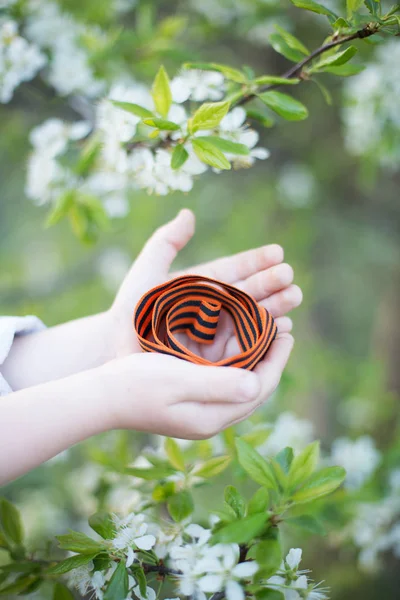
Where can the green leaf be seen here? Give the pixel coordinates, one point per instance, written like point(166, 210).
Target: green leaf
point(174, 454)
point(314, 7)
point(118, 587)
point(336, 60)
point(241, 531)
point(10, 521)
point(372, 6)
point(269, 555)
point(162, 124)
point(210, 155)
point(179, 156)
point(321, 483)
point(268, 594)
point(257, 437)
point(255, 465)
point(284, 458)
point(19, 567)
point(259, 501)
point(101, 562)
point(141, 580)
point(3, 541)
point(281, 46)
point(19, 585)
point(88, 158)
point(292, 41)
point(180, 505)
point(304, 464)
point(280, 474)
point(61, 592)
point(235, 500)
point(307, 523)
point(353, 6)
point(150, 474)
point(324, 91)
point(163, 491)
point(134, 109)
point(213, 466)
point(264, 120)
point(225, 145)
point(75, 541)
point(228, 72)
point(345, 70)
point(275, 80)
point(208, 116)
point(161, 93)
point(102, 523)
point(284, 105)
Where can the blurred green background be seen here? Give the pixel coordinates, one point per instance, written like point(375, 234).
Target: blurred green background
point(336, 219)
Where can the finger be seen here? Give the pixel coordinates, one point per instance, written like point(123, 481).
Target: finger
point(284, 301)
point(271, 368)
point(284, 324)
point(231, 347)
point(232, 269)
point(217, 384)
point(165, 243)
point(263, 284)
point(207, 420)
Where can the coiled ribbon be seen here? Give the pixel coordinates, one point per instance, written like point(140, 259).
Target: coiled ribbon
point(192, 304)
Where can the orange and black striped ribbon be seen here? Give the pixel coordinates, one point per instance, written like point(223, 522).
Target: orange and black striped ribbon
point(192, 304)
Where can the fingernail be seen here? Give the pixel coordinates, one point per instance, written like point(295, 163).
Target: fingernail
point(249, 387)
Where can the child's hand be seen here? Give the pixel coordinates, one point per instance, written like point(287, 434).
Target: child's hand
point(147, 392)
point(258, 272)
point(168, 396)
point(92, 341)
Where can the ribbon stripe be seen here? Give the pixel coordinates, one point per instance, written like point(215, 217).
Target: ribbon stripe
point(192, 305)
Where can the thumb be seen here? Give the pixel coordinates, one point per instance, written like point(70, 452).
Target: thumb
point(161, 249)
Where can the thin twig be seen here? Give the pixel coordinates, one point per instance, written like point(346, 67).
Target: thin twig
point(297, 69)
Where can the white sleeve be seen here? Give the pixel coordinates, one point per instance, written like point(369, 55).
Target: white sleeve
point(9, 328)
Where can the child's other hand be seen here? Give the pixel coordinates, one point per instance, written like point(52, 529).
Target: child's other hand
point(259, 272)
point(168, 396)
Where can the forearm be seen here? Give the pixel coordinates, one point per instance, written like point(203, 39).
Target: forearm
point(59, 351)
point(39, 422)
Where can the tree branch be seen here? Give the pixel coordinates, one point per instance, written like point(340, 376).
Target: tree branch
point(296, 70)
point(160, 570)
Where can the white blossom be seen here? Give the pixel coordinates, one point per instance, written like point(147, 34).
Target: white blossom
point(296, 185)
point(209, 569)
point(372, 117)
point(153, 172)
point(376, 527)
point(81, 578)
point(294, 583)
point(360, 458)
point(19, 60)
point(46, 177)
point(52, 136)
point(233, 128)
point(69, 69)
point(293, 559)
point(289, 430)
point(132, 531)
point(197, 85)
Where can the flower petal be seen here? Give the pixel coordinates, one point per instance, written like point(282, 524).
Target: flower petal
point(211, 583)
point(246, 569)
point(234, 591)
point(146, 542)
